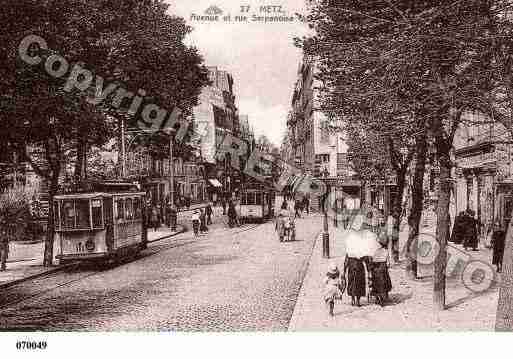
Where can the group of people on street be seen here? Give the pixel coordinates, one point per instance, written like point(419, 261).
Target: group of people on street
point(354, 276)
point(201, 219)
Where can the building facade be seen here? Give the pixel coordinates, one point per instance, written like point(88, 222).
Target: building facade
point(483, 174)
point(311, 142)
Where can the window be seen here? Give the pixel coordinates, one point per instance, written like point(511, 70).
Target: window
point(137, 209)
point(76, 214)
point(97, 213)
point(120, 206)
point(129, 214)
point(68, 214)
point(83, 214)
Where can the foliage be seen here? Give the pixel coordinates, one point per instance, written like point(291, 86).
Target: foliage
point(132, 44)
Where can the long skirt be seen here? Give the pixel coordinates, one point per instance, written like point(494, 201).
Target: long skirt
point(381, 282)
point(355, 278)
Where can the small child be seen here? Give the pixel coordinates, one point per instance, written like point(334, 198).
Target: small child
point(332, 290)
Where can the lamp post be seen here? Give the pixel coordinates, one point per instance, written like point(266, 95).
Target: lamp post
point(171, 170)
point(325, 233)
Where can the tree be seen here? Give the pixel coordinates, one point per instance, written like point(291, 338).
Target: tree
point(131, 44)
point(420, 62)
point(14, 213)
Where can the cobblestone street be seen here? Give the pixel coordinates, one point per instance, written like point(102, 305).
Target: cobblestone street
point(229, 280)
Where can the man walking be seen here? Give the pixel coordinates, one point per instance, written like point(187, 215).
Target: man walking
point(306, 204)
point(297, 208)
point(209, 214)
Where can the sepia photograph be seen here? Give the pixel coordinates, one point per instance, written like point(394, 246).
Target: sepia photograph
point(244, 166)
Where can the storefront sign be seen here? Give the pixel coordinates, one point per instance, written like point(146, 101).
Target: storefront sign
point(476, 161)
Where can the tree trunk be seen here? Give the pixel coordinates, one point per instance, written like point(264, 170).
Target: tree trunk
point(80, 164)
point(417, 203)
point(442, 228)
point(504, 318)
point(50, 233)
point(4, 249)
point(397, 209)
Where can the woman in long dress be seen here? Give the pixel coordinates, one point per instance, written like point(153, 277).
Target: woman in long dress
point(381, 282)
point(355, 273)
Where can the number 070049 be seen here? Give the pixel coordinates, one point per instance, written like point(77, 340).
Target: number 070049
point(28, 345)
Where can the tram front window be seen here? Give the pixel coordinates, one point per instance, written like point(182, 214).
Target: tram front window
point(75, 214)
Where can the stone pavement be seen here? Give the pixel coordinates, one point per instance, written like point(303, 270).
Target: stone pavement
point(411, 300)
point(27, 260)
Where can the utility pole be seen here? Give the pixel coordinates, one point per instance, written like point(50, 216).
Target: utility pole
point(123, 149)
point(171, 170)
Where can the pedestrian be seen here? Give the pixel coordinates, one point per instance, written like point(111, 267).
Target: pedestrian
point(354, 271)
point(232, 214)
point(279, 226)
point(297, 209)
point(173, 216)
point(498, 244)
point(306, 204)
point(155, 218)
point(381, 284)
point(458, 228)
point(208, 211)
point(203, 222)
point(333, 287)
point(195, 223)
point(214, 199)
point(470, 231)
point(223, 204)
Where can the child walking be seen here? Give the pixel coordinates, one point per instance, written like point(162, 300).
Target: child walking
point(334, 287)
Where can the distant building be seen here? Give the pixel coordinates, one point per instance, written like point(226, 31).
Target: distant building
point(310, 142)
point(216, 117)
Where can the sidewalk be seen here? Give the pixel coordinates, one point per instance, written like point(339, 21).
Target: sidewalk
point(27, 260)
point(411, 300)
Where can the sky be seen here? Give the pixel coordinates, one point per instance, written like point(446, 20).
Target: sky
point(260, 56)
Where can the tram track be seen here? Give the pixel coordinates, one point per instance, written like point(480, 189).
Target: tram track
point(76, 270)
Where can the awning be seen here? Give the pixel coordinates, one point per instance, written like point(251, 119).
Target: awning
point(215, 183)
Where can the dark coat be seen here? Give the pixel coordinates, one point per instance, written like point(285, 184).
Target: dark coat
point(355, 277)
point(498, 243)
point(470, 233)
point(208, 210)
point(381, 282)
point(458, 230)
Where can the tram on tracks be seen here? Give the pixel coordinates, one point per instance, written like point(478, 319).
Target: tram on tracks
point(106, 223)
point(256, 203)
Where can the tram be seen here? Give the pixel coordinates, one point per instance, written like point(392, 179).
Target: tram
point(104, 224)
point(256, 204)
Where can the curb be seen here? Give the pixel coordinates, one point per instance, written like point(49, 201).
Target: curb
point(303, 272)
point(34, 276)
point(183, 230)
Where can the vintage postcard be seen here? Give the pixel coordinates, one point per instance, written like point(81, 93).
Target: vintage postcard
point(172, 166)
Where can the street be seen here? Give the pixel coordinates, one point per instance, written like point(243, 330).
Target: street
point(237, 279)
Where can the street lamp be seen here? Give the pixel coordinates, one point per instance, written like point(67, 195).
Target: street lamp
point(325, 233)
